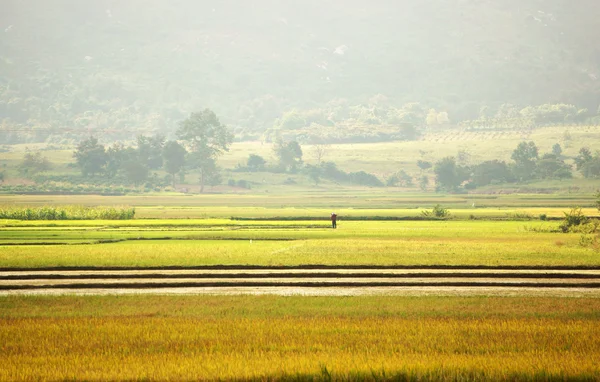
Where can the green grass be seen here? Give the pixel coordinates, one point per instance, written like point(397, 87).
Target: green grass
point(214, 242)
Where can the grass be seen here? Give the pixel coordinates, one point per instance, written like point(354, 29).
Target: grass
point(306, 338)
point(220, 241)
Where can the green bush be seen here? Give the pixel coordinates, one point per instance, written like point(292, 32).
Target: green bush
point(67, 213)
point(438, 211)
point(574, 221)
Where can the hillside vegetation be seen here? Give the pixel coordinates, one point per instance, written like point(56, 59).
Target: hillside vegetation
point(117, 69)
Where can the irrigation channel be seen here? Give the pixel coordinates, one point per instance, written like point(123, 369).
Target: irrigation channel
point(309, 280)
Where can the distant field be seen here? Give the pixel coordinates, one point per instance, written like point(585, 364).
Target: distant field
point(367, 202)
point(388, 157)
point(299, 338)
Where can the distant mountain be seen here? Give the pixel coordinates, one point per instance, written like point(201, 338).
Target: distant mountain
point(142, 65)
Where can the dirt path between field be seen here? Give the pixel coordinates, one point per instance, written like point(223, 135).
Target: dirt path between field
point(305, 280)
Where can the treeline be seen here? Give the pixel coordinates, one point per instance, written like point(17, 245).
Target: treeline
point(289, 160)
point(202, 139)
point(339, 122)
point(527, 165)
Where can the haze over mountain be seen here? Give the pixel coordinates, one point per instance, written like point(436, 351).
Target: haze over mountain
point(144, 65)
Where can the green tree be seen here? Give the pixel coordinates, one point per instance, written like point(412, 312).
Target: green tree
point(557, 150)
point(314, 173)
point(135, 171)
point(551, 166)
point(174, 156)
point(289, 155)
point(424, 165)
point(423, 182)
point(525, 157)
point(33, 163)
point(206, 139)
point(449, 175)
point(116, 156)
point(256, 162)
point(591, 168)
point(90, 157)
point(150, 150)
point(493, 171)
point(583, 157)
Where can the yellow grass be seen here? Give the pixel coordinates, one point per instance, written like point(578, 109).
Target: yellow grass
point(160, 348)
point(268, 337)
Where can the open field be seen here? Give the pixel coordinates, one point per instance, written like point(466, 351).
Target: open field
point(306, 338)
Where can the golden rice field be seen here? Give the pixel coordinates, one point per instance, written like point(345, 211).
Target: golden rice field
point(299, 338)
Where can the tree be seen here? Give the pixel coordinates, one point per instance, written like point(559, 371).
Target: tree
point(116, 156)
point(150, 150)
point(314, 173)
point(404, 180)
point(463, 157)
point(135, 171)
point(173, 158)
point(588, 164)
point(320, 150)
point(408, 132)
point(432, 118)
point(449, 175)
point(365, 179)
point(1, 177)
point(206, 139)
point(493, 171)
point(34, 163)
point(423, 182)
point(552, 167)
point(525, 156)
point(289, 155)
point(256, 162)
point(557, 150)
point(90, 156)
point(424, 165)
point(583, 157)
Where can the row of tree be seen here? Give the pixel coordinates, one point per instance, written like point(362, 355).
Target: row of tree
point(527, 165)
point(203, 138)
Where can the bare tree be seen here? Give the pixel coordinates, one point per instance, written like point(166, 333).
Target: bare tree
point(320, 151)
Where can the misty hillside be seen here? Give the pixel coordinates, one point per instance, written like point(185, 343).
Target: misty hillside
point(141, 66)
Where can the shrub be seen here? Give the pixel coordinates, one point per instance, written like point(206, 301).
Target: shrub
point(573, 218)
point(438, 211)
point(243, 183)
point(67, 213)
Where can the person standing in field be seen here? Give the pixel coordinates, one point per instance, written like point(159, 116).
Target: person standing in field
point(334, 220)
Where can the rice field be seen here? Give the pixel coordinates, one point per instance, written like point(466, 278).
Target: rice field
point(299, 338)
point(267, 337)
point(190, 242)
